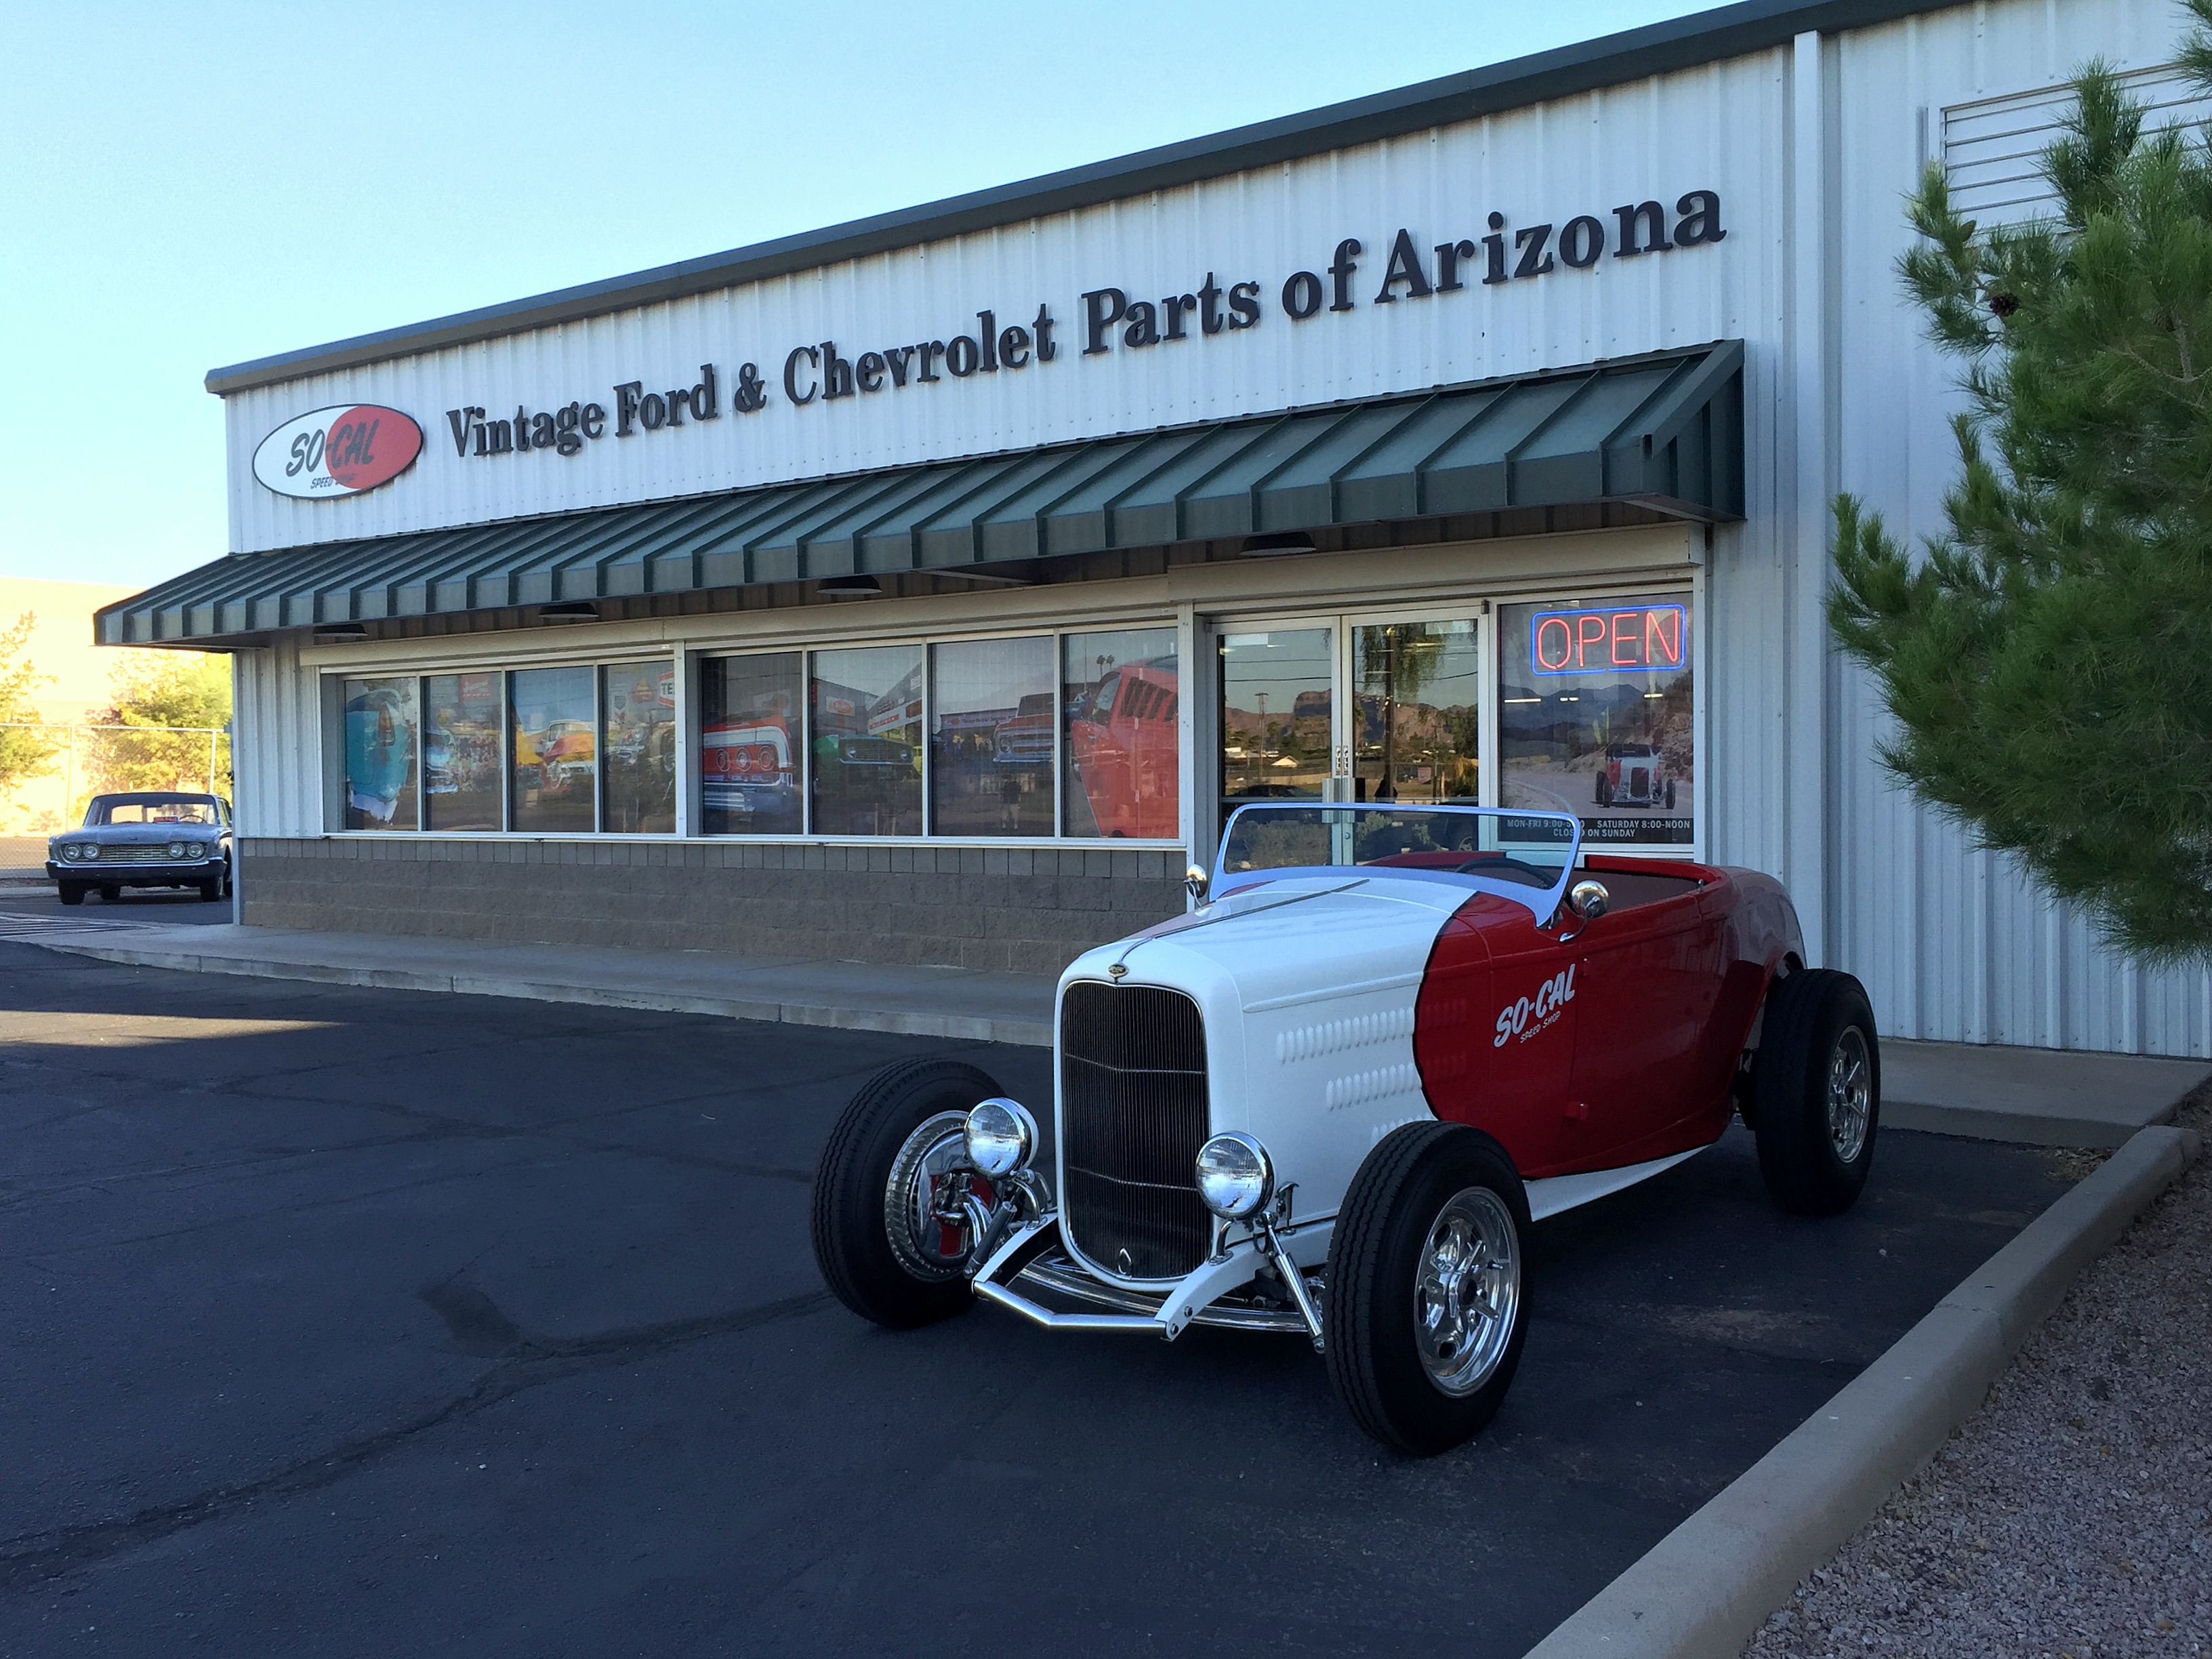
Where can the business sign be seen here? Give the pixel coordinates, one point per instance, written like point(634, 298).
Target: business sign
point(1653, 639)
point(342, 450)
point(1113, 321)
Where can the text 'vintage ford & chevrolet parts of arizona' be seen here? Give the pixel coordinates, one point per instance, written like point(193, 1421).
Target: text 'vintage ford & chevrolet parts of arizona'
point(1332, 1099)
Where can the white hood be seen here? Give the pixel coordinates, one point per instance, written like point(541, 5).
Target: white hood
point(1308, 987)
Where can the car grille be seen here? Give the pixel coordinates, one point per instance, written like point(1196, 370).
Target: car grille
point(1133, 1116)
point(1639, 781)
point(112, 854)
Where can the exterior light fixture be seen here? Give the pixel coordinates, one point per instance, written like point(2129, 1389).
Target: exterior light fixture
point(332, 632)
point(568, 610)
point(851, 588)
point(1275, 546)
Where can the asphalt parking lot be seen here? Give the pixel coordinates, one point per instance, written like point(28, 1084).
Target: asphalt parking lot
point(137, 904)
point(350, 1321)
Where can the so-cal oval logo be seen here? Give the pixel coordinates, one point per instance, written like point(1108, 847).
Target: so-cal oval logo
point(339, 451)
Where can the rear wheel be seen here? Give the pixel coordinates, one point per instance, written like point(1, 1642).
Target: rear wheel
point(72, 892)
point(1816, 1089)
point(874, 1239)
point(1426, 1312)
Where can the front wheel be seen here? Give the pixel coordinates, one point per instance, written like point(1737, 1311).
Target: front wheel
point(1426, 1312)
point(875, 1239)
point(1816, 1089)
point(72, 892)
point(215, 889)
point(110, 894)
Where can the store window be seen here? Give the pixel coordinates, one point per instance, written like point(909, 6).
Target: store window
point(750, 737)
point(381, 725)
point(1120, 708)
point(637, 704)
point(554, 742)
point(1278, 693)
point(1418, 689)
point(864, 735)
point(461, 760)
point(1595, 716)
point(991, 734)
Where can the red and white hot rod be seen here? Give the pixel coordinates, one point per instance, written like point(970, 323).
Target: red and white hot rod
point(1333, 1098)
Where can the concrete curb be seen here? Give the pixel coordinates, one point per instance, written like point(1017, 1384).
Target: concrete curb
point(1706, 1588)
point(972, 1027)
point(2027, 1128)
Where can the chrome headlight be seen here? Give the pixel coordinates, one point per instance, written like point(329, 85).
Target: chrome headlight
point(68, 853)
point(1002, 1136)
point(176, 849)
point(1236, 1177)
point(89, 850)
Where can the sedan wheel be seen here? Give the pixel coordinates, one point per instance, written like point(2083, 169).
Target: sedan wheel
point(1426, 1305)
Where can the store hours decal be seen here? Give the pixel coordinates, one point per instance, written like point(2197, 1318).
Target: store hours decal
point(820, 375)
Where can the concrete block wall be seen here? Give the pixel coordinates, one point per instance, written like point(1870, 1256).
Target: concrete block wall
point(1023, 910)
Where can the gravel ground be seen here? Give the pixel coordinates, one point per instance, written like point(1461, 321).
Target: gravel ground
point(2071, 1518)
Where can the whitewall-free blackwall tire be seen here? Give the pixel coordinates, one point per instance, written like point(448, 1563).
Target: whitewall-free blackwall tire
point(1816, 1091)
point(1426, 1309)
point(872, 1241)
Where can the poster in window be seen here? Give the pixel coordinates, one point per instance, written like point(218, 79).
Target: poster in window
point(380, 754)
point(555, 741)
point(750, 737)
point(991, 738)
point(461, 752)
point(1121, 702)
point(1596, 716)
point(866, 741)
point(638, 705)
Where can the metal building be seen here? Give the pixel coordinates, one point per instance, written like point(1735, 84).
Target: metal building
point(925, 588)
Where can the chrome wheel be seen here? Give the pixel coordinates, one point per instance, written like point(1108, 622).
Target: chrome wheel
point(926, 1247)
point(1467, 1291)
point(1850, 1094)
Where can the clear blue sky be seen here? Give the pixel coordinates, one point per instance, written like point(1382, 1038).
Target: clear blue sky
point(186, 187)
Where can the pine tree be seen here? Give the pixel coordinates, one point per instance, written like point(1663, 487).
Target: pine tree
point(2048, 659)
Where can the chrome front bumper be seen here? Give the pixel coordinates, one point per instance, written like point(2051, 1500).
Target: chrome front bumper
point(1035, 1257)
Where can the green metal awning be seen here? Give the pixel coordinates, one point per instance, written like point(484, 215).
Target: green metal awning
point(1665, 431)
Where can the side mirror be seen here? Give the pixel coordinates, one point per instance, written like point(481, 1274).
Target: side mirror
point(1195, 882)
point(1589, 899)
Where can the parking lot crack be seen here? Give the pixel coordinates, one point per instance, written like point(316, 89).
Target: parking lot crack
point(31, 1559)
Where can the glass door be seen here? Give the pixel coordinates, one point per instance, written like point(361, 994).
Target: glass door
point(1416, 695)
point(1381, 707)
point(1278, 728)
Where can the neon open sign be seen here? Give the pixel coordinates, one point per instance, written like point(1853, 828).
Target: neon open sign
point(1651, 638)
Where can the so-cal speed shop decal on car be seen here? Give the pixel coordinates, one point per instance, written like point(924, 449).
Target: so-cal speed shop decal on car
point(342, 450)
point(1531, 1015)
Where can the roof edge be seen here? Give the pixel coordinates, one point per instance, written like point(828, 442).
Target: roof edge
point(1609, 60)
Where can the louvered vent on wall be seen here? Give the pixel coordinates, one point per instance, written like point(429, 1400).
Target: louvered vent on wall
point(1993, 148)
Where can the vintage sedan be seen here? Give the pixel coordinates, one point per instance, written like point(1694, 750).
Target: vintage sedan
point(151, 838)
point(1333, 1099)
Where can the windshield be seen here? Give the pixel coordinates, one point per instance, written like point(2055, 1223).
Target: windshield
point(141, 809)
point(1525, 855)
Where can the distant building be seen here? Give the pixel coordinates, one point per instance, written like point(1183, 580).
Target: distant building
point(62, 646)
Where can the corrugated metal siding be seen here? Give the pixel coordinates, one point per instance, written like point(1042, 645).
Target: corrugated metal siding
point(1993, 147)
point(1953, 943)
point(1656, 139)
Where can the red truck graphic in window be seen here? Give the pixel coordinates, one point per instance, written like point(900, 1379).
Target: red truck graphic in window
point(1121, 740)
